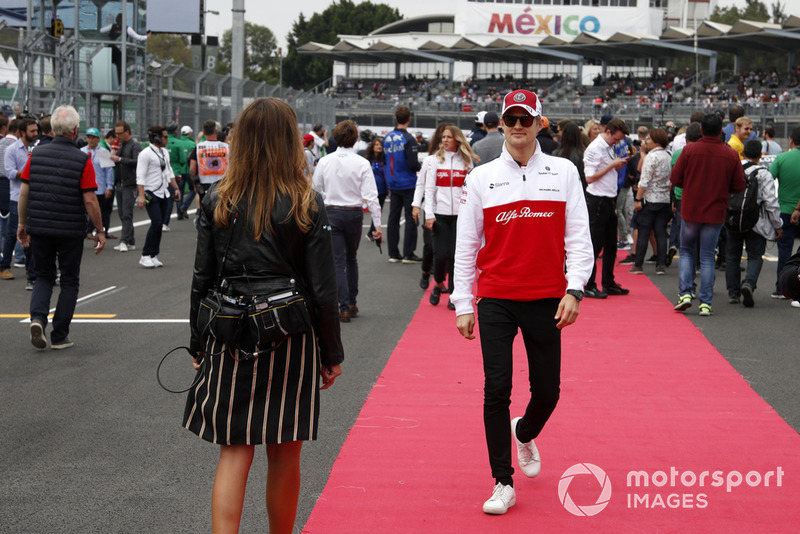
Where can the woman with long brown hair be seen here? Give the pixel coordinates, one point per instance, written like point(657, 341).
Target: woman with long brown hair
point(262, 229)
point(444, 180)
point(419, 193)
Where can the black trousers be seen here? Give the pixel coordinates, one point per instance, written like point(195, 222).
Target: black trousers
point(51, 254)
point(401, 205)
point(603, 227)
point(498, 322)
point(427, 250)
point(653, 218)
point(444, 248)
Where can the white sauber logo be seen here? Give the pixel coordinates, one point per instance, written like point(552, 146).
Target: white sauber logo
point(504, 217)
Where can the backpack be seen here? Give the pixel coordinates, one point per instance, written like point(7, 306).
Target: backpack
point(743, 210)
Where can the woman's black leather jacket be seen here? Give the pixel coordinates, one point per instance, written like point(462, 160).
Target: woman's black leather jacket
point(253, 268)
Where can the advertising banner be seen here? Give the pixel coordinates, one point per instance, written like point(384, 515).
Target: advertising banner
point(503, 20)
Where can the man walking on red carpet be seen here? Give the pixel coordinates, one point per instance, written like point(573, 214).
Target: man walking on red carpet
point(523, 217)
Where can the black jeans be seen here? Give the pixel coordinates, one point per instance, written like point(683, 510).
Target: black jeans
point(157, 211)
point(498, 322)
point(346, 230)
point(68, 253)
point(444, 248)
point(401, 202)
point(427, 250)
point(603, 227)
point(755, 244)
point(654, 217)
point(106, 207)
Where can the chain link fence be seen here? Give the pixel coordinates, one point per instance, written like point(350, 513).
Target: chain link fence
point(39, 73)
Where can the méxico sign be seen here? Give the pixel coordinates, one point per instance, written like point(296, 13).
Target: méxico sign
point(501, 20)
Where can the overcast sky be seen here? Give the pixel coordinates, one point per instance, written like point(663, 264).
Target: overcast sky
point(279, 15)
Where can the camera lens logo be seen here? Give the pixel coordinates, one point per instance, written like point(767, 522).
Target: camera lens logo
point(586, 510)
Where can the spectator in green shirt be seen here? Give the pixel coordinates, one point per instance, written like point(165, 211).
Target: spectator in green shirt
point(786, 169)
point(187, 145)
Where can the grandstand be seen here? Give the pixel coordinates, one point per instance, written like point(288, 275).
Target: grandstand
point(585, 58)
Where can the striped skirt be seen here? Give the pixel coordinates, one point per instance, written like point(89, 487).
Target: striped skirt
point(270, 399)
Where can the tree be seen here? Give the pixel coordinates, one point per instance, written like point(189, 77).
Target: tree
point(779, 15)
point(170, 46)
point(755, 10)
point(343, 17)
point(260, 62)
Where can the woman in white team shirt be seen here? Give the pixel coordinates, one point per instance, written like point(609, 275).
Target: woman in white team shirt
point(444, 178)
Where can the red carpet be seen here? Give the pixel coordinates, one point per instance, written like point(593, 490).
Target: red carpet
point(661, 402)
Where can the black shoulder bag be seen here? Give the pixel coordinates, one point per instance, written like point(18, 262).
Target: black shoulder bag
point(220, 315)
point(252, 325)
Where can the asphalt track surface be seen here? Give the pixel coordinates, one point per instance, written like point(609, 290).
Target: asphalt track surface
point(91, 443)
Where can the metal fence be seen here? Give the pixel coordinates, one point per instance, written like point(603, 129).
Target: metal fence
point(428, 114)
point(53, 72)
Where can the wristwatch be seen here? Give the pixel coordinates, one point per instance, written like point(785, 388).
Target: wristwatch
point(577, 293)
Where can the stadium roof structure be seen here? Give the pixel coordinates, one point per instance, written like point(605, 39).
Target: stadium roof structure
point(403, 41)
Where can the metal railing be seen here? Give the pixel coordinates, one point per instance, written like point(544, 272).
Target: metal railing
point(54, 72)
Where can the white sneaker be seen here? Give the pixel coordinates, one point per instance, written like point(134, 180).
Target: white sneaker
point(527, 453)
point(122, 247)
point(796, 304)
point(146, 262)
point(156, 261)
point(164, 228)
point(503, 497)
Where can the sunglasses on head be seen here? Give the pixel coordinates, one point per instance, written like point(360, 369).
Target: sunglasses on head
point(511, 120)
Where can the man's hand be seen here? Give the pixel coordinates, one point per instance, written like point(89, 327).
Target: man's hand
point(22, 236)
point(377, 233)
point(415, 211)
point(567, 312)
point(466, 324)
point(795, 218)
point(140, 202)
point(429, 223)
point(109, 193)
point(619, 163)
point(99, 242)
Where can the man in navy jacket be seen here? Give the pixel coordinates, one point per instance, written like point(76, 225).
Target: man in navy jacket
point(402, 165)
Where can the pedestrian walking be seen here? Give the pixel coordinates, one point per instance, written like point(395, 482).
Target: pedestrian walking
point(57, 191)
point(519, 287)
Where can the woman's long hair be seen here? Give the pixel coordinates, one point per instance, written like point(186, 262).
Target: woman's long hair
point(436, 138)
point(463, 149)
point(370, 153)
point(571, 140)
point(266, 159)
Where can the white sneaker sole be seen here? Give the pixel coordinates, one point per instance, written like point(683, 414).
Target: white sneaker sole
point(37, 336)
point(489, 507)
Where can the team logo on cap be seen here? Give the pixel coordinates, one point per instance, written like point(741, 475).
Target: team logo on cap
point(519, 97)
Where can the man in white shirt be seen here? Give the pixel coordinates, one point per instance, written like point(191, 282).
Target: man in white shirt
point(345, 180)
point(153, 176)
point(600, 165)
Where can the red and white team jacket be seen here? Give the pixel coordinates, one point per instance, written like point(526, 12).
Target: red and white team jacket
point(520, 226)
point(443, 183)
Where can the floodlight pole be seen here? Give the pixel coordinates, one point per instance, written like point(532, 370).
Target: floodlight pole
point(237, 55)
